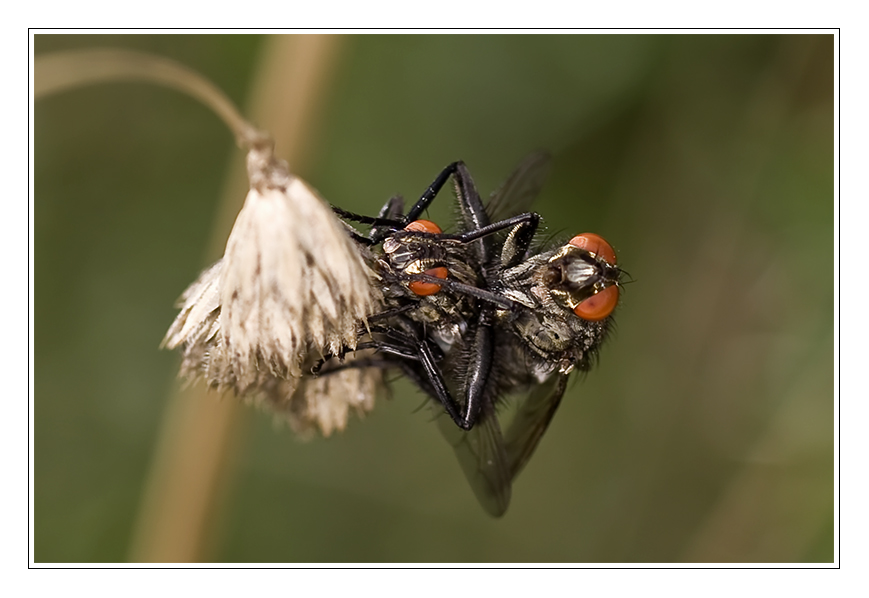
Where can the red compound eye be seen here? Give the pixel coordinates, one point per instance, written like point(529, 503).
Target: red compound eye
point(424, 226)
point(426, 288)
point(597, 307)
point(595, 244)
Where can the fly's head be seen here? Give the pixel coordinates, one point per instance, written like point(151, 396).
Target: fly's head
point(415, 250)
point(567, 298)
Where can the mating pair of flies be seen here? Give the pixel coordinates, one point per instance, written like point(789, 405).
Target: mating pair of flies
point(484, 316)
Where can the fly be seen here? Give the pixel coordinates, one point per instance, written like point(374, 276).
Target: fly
point(475, 316)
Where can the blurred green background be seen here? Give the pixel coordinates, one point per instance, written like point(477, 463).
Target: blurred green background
point(706, 432)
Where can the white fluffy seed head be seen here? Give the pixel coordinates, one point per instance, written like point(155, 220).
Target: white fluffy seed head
point(291, 287)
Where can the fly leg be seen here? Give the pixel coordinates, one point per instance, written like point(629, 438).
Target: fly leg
point(482, 351)
point(418, 357)
point(389, 220)
point(392, 210)
point(412, 350)
point(517, 242)
point(435, 377)
point(479, 367)
point(465, 289)
point(469, 200)
point(526, 222)
point(471, 206)
point(381, 225)
point(396, 343)
point(431, 192)
point(389, 349)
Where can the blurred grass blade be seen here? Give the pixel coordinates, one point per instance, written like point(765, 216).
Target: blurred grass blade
point(191, 468)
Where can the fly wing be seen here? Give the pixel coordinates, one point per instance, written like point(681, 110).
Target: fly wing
point(480, 450)
point(531, 420)
point(517, 193)
point(484, 462)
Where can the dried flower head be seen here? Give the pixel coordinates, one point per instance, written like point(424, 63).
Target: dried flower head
point(323, 403)
point(290, 288)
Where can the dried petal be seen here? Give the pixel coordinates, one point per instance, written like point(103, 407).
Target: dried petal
point(292, 286)
point(324, 403)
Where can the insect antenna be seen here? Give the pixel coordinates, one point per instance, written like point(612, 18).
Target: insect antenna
point(630, 280)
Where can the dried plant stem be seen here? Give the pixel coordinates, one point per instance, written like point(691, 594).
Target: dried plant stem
point(191, 471)
point(66, 70)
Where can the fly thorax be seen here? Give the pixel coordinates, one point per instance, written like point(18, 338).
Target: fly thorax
point(519, 296)
point(548, 335)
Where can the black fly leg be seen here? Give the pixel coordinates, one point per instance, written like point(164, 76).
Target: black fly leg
point(377, 223)
point(391, 211)
point(429, 194)
point(519, 240)
point(470, 204)
point(478, 236)
point(463, 420)
point(420, 357)
point(474, 213)
point(472, 209)
point(515, 247)
point(479, 368)
point(465, 289)
point(422, 352)
point(527, 221)
point(389, 349)
point(469, 200)
point(481, 350)
point(396, 343)
point(389, 219)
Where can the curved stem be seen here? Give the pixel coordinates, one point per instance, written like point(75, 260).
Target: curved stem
point(194, 468)
point(62, 71)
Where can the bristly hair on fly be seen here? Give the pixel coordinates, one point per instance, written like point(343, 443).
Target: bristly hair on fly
point(291, 287)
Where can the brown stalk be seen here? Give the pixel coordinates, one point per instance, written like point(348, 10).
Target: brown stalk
point(193, 467)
